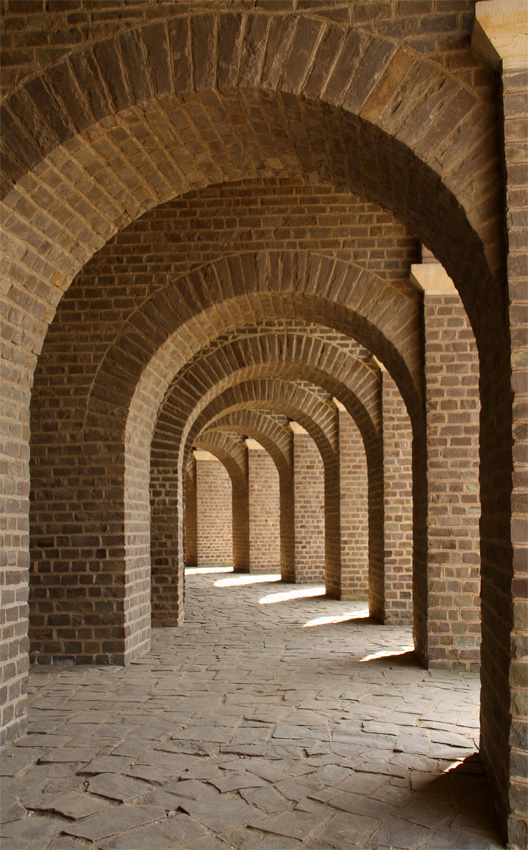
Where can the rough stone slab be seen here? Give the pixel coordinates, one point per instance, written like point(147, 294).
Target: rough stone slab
point(159, 836)
point(69, 755)
point(152, 774)
point(458, 839)
point(290, 824)
point(360, 805)
point(192, 789)
point(13, 763)
point(207, 734)
point(345, 830)
point(10, 809)
point(115, 787)
point(46, 741)
point(267, 799)
point(275, 842)
point(105, 764)
point(71, 805)
point(221, 813)
point(236, 781)
point(399, 833)
point(32, 828)
point(119, 819)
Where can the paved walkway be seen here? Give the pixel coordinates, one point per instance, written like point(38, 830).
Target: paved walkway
point(274, 719)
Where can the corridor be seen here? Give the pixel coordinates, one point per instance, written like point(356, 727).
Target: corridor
point(273, 719)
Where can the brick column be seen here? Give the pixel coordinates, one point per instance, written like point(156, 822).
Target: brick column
point(453, 511)
point(309, 492)
point(213, 511)
point(354, 507)
point(501, 37)
point(264, 511)
point(190, 517)
point(398, 503)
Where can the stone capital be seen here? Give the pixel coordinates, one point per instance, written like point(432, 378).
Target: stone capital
point(500, 33)
point(254, 445)
point(201, 454)
point(297, 429)
point(432, 279)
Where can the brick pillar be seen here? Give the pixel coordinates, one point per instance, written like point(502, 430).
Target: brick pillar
point(264, 511)
point(241, 520)
point(190, 517)
point(398, 503)
point(213, 512)
point(309, 489)
point(501, 37)
point(354, 508)
point(452, 422)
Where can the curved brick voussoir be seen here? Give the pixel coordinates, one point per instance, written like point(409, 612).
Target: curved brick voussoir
point(249, 288)
point(274, 436)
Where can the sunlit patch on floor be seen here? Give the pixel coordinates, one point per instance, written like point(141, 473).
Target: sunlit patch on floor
point(238, 580)
point(387, 653)
point(337, 618)
point(298, 593)
point(196, 571)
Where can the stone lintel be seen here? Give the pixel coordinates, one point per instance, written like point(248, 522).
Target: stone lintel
point(202, 454)
point(297, 429)
point(253, 444)
point(500, 33)
point(432, 279)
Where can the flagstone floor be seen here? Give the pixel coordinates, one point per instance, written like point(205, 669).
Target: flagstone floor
point(274, 719)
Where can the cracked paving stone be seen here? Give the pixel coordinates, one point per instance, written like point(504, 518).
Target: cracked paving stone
point(395, 832)
point(70, 805)
point(118, 819)
point(116, 787)
point(10, 809)
point(207, 734)
point(345, 830)
point(274, 842)
point(360, 805)
point(11, 764)
point(32, 827)
point(154, 775)
point(267, 799)
point(460, 839)
point(167, 835)
point(219, 814)
point(235, 782)
point(192, 789)
point(70, 755)
point(105, 764)
point(46, 741)
point(425, 813)
point(291, 824)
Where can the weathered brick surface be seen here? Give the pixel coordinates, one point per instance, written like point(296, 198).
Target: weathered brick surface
point(398, 514)
point(264, 513)
point(354, 503)
point(451, 374)
point(214, 514)
point(309, 496)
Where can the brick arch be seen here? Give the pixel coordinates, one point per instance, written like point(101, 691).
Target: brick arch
point(446, 218)
point(218, 54)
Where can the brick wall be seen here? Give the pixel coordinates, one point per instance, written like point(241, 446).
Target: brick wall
point(191, 517)
point(398, 515)
point(309, 509)
point(264, 513)
point(354, 510)
point(213, 513)
point(452, 375)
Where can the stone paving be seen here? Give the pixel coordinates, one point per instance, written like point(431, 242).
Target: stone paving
point(274, 719)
